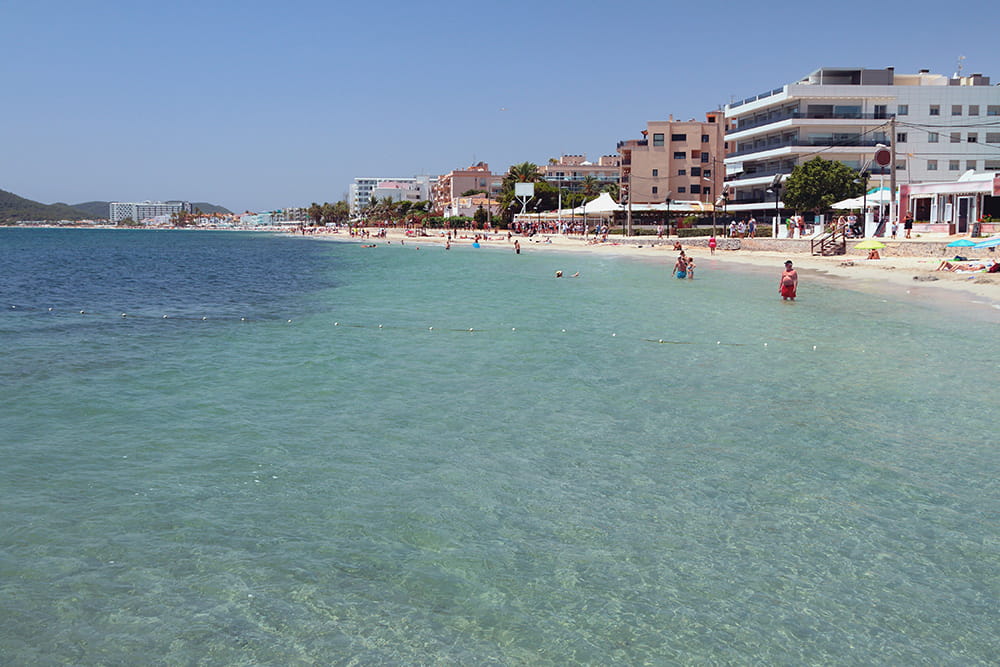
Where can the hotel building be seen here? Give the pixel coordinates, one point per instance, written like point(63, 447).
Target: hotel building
point(362, 190)
point(940, 126)
point(146, 210)
point(570, 172)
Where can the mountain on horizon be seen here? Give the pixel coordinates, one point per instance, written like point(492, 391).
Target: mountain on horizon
point(14, 208)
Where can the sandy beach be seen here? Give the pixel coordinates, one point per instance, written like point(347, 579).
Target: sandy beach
point(912, 274)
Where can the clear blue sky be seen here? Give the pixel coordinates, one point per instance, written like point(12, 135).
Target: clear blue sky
point(260, 105)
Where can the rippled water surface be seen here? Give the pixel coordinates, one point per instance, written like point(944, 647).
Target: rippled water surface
point(621, 468)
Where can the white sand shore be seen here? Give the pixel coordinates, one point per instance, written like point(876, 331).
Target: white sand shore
point(912, 276)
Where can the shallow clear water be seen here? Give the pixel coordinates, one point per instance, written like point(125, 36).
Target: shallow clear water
point(555, 486)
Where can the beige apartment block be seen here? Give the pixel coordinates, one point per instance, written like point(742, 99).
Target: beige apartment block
point(570, 172)
point(454, 184)
point(679, 160)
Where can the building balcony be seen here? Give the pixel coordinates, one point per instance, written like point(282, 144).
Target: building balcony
point(752, 123)
point(809, 143)
point(767, 173)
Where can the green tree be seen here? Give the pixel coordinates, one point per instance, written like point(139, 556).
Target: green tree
point(526, 172)
point(480, 217)
point(612, 189)
point(590, 186)
point(315, 213)
point(818, 183)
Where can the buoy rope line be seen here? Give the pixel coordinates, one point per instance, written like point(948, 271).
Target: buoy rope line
point(430, 329)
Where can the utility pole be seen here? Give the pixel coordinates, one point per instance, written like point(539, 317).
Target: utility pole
point(894, 212)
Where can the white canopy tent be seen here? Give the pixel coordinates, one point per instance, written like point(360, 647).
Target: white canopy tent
point(875, 198)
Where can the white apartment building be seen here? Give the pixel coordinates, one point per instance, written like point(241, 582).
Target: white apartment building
point(146, 210)
point(362, 190)
point(943, 126)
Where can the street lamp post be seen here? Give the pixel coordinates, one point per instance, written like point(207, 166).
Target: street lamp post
point(669, 195)
point(776, 189)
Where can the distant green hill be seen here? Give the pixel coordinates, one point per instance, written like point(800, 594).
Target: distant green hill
point(95, 210)
point(14, 208)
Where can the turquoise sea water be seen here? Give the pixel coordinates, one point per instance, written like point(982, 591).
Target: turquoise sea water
point(374, 483)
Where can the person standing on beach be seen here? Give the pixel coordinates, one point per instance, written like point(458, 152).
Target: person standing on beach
point(517, 247)
point(788, 283)
point(908, 224)
point(712, 243)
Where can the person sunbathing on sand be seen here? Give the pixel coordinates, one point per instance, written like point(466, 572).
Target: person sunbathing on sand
point(955, 267)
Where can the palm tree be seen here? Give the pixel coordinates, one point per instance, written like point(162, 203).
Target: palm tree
point(526, 172)
point(590, 186)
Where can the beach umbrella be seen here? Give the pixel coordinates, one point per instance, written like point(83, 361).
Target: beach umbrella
point(961, 243)
point(991, 242)
point(869, 244)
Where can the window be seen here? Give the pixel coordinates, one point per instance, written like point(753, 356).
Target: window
point(678, 137)
point(695, 189)
point(900, 165)
point(681, 190)
point(901, 137)
point(956, 137)
point(932, 137)
point(954, 165)
point(680, 155)
point(696, 171)
point(993, 137)
point(992, 165)
point(902, 109)
point(706, 190)
point(932, 165)
point(970, 164)
point(973, 109)
point(935, 109)
point(704, 139)
point(956, 109)
point(682, 172)
point(704, 157)
point(707, 173)
point(973, 138)
point(993, 110)
point(655, 190)
point(658, 139)
point(656, 172)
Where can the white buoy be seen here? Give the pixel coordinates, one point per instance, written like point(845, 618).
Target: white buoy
point(203, 319)
point(718, 342)
point(164, 317)
point(513, 328)
point(564, 331)
point(243, 319)
point(613, 335)
point(336, 324)
point(289, 321)
point(123, 314)
point(380, 326)
point(470, 328)
point(430, 328)
point(814, 347)
point(661, 340)
point(50, 310)
point(81, 312)
point(765, 344)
